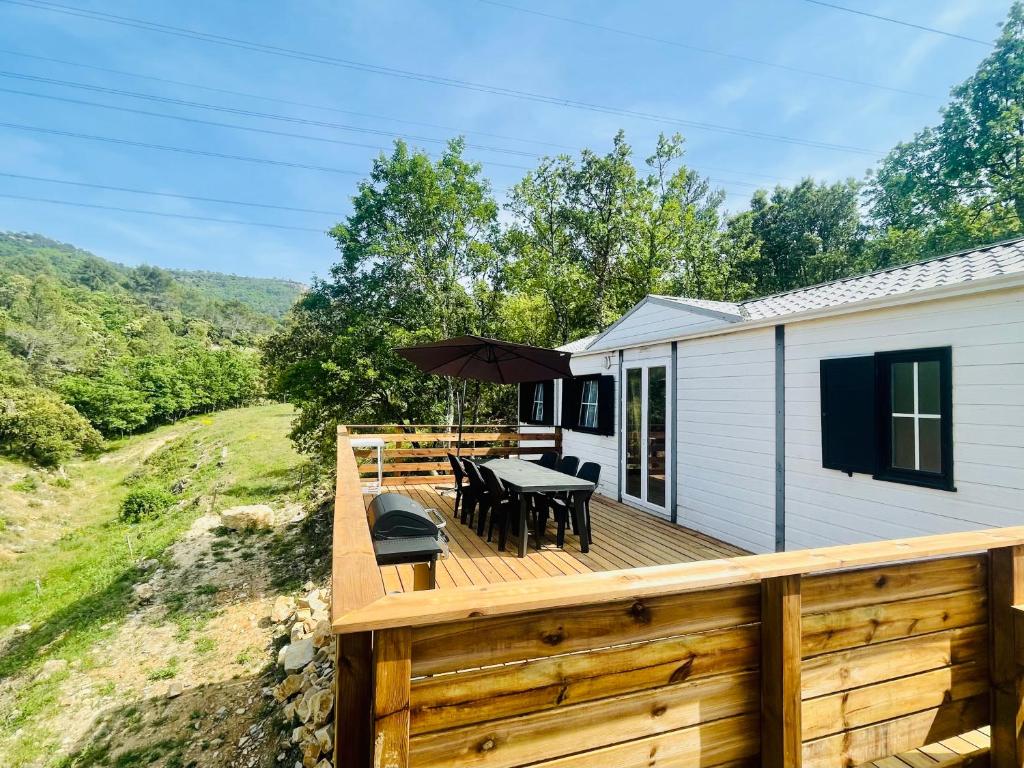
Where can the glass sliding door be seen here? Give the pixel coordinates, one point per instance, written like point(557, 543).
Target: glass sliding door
point(645, 470)
point(634, 432)
point(656, 436)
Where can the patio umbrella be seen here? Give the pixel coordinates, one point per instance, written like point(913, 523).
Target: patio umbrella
point(482, 359)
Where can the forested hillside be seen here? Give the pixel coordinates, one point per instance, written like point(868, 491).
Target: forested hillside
point(267, 296)
point(90, 349)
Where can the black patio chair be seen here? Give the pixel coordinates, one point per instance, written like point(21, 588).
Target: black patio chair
point(477, 495)
point(562, 505)
point(568, 465)
point(460, 475)
point(548, 459)
point(503, 507)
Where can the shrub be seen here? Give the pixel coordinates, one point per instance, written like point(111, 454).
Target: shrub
point(145, 502)
point(36, 424)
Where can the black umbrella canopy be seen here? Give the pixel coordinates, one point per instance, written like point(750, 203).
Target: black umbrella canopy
point(482, 359)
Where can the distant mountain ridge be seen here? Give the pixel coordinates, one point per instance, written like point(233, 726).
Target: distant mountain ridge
point(212, 294)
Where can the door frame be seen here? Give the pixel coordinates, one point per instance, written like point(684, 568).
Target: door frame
point(644, 367)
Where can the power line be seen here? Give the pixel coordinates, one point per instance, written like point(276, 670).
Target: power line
point(136, 191)
point(159, 213)
point(699, 49)
point(275, 100)
point(232, 126)
point(250, 113)
point(902, 23)
point(434, 79)
point(183, 150)
point(283, 101)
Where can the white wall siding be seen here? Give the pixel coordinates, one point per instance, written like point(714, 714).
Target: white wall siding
point(599, 448)
point(986, 333)
point(726, 437)
point(654, 321)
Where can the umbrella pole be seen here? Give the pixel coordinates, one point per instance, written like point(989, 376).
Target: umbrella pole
point(462, 405)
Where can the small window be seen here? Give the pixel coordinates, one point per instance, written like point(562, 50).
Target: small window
point(916, 431)
point(588, 404)
point(538, 401)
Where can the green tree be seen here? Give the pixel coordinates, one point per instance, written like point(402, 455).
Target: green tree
point(808, 233)
point(961, 183)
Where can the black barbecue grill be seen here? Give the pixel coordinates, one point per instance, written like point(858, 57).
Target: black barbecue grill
point(405, 532)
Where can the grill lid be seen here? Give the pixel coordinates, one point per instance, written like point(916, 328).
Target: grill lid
point(396, 517)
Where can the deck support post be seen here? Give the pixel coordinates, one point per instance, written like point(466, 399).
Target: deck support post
point(1006, 590)
point(781, 731)
point(392, 663)
point(353, 707)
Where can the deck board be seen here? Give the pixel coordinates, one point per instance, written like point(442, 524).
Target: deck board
point(623, 537)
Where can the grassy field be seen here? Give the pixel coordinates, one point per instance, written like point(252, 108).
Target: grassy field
point(71, 587)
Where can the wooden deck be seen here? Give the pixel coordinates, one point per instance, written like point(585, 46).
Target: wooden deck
point(623, 537)
point(958, 751)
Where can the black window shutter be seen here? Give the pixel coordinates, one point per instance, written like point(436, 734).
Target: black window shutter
point(606, 405)
point(570, 403)
point(848, 415)
point(549, 402)
point(525, 403)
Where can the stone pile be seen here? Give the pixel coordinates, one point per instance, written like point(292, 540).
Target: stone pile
point(307, 693)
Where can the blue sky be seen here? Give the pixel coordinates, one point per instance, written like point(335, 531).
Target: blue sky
point(465, 40)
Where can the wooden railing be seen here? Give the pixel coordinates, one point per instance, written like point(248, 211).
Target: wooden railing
point(826, 657)
point(416, 454)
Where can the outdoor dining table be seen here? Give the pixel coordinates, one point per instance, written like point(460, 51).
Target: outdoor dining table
point(526, 478)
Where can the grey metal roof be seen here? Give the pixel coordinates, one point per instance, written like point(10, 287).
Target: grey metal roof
point(952, 269)
point(963, 267)
point(579, 344)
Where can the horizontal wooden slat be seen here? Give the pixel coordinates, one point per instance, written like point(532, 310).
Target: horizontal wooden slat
point(728, 743)
point(539, 736)
point(448, 437)
point(447, 701)
point(507, 450)
point(875, 663)
point(864, 625)
point(892, 699)
point(479, 642)
point(892, 736)
point(887, 583)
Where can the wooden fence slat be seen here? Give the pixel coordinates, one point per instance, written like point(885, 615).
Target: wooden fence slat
point(354, 708)
point(870, 664)
point(1006, 589)
point(781, 731)
point(450, 437)
point(537, 736)
point(392, 679)
point(846, 709)
point(477, 642)
point(448, 701)
point(826, 592)
point(860, 745)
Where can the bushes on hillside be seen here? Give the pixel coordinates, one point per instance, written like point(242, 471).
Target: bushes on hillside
point(36, 424)
point(145, 502)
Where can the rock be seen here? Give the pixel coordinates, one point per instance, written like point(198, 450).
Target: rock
point(298, 654)
point(320, 704)
point(281, 655)
point(313, 601)
point(325, 763)
point(174, 690)
point(250, 516)
point(298, 632)
point(288, 688)
point(21, 629)
point(309, 585)
point(298, 734)
point(50, 668)
point(310, 753)
point(322, 633)
point(180, 485)
point(149, 565)
point(144, 592)
point(324, 737)
point(216, 743)
point(283, 609)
